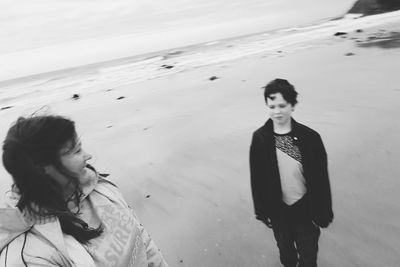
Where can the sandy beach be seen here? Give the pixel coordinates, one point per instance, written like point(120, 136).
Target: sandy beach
point(177, 143)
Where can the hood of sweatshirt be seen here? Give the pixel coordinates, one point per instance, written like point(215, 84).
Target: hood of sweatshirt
point(14, 222)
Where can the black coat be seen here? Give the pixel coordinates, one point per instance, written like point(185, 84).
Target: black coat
point(265, 179)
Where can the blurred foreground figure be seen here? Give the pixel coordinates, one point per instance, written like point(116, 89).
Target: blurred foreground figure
point(61, 212)
point(289, 179)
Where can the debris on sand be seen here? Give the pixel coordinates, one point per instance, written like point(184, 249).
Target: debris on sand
point(349, 54)
point(121, 97)
point(212, 78)
point(7, 107)
point(167, 66)
point(76, 96)
point(382, 39)
point(340, 33)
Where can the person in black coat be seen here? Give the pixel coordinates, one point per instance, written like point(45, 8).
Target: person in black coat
point(289, 178)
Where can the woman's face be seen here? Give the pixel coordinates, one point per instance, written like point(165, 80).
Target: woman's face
point(74, 159)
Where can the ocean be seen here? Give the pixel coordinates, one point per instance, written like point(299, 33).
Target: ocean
point(43, 35)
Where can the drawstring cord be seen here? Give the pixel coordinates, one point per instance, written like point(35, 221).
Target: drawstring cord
point(5, 261)
point(22, 250)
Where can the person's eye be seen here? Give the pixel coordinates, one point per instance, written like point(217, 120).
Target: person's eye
point(282, 106)
point(78, 151)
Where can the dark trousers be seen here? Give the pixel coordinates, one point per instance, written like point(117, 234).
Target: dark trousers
point(296, 236)
point(298, 244)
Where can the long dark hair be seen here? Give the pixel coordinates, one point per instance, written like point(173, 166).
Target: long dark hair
point(30, 145)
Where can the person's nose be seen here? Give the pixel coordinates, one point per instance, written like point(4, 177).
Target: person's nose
point(87, 156)
point(277, 110)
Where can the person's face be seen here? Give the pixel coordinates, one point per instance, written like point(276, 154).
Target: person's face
point(74, 159)
point(280, 110)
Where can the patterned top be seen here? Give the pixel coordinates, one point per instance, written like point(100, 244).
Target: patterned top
point(285, 143)
point(293, 183)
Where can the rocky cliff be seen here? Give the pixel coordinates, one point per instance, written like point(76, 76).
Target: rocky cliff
point(371, 7)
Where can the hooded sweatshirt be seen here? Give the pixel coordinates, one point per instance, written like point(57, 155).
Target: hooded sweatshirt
point(28, 241)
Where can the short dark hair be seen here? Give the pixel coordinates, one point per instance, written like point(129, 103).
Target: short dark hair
point(281, 86)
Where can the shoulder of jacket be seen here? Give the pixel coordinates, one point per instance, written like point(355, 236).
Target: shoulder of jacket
point(31, 248)
point(110, 191)
point(261, 132)
point(306, 130)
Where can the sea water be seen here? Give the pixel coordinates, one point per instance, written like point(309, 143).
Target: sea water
point(44, 35)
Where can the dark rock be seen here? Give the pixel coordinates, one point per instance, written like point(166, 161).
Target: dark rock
point(3, 108)
point(386, 40)
point(148, 196)
point(212, 78)
point(121, 97)
point(349, 54)
point(76, 97)
point(359, 30)
point(371, 7)
point(167, 66)
point(340, 33)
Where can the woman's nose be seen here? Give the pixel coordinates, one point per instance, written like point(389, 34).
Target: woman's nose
point(87, 156)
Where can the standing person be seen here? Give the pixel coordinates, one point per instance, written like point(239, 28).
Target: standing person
point(61, 211)
point(289, 178)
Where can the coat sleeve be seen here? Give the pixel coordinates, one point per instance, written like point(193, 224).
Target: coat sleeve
point(323, 214)
point(19, 253)
point(256, 178)
point(154, 256)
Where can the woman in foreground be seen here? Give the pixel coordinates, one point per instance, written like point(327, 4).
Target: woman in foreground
point(61, 211)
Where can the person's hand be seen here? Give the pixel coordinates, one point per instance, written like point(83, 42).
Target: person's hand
point(266, 221)
point(321, 223)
